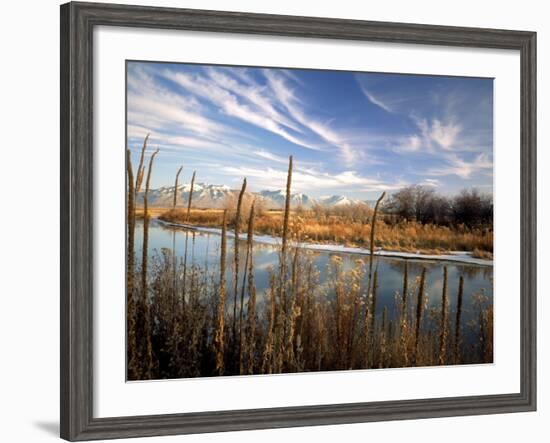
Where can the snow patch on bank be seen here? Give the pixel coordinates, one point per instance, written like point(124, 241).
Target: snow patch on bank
point(452, 256)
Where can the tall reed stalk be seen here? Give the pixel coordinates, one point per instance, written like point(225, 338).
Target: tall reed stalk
point(284, 240)
point(456, 352)
point(355, 300)
point(291, 312)
point(282, 321)
point(369, 314)
point(190, 196)
point(372, 327)
point(251, 311)
point(146, 226)
point(243, 289)
point(189, 202)
point(130, 304)
point(184, 282)
point(405, 290)
point(267, 358)
point(372, 232)
point(147, 352)
point(443, 325)
point(383, 339)
point(419, 309)
point(219, 334)
point(174, 259)
point(176, 188)
point(141, 168)
point(237, 228)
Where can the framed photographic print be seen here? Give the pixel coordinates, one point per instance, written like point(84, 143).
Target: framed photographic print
point(273, 221)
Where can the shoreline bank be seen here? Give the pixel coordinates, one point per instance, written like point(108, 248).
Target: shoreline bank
point(464, 257)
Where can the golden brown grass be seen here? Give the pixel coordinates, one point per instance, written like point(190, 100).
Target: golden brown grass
point(405, 236)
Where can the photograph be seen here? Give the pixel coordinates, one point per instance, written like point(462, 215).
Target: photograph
point(266, 221)
point(286, 220)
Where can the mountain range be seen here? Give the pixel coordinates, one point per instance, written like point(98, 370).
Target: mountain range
point(207, 196)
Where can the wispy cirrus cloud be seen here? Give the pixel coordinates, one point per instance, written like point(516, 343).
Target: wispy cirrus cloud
point(358, 133)
point(389, 100)
point(266, 155)
point(443, 135)
point(449, 143)
point(454, 165)
point(430, 182)
point(374, 100)
point(171, 118)
point(228, 100)
point(291, 102)
point(305, 180)
point(272, 105)
point(253, 93)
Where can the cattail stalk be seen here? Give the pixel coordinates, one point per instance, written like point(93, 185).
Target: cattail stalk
point(283, 271)
point(443, 326)
point(241, 310)
point(130, 306)
point(148, 357)
point(187, 239)
point(404, 323)
point(236, 263)
point(141, 168)
point(267, 359)
point(219, 334)
point(291, 316)
point(284, 240)
point(251, 295)
point(389, 343)
point(146, 226)
point(243, 288)
point(355, 300)
point(458, 319)
point(368, 312)
point(190, 197)
point(131, 215)
point(287, 205)
point(176, 188)
point(372, 231)
point(405, 290)
point(174, 260)
point(372, 328)
point(184, 282)
point(383, 339)
point(419, 307)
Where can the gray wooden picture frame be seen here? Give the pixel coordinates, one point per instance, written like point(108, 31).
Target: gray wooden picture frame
point(77, 24)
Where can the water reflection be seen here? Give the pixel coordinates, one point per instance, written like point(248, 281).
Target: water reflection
point(203, 249)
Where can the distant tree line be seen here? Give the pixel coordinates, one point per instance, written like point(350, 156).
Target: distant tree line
point(424, 205)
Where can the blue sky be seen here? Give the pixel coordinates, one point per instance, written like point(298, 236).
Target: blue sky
point(353, 134)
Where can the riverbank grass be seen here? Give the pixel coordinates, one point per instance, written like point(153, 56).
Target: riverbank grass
point(409, 236)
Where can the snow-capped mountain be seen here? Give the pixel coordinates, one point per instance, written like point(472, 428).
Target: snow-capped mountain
point(337, 200)
point(276, 199)
point(218, 196)
point(204, 195)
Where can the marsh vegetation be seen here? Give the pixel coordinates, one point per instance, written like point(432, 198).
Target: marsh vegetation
point(207, 304)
